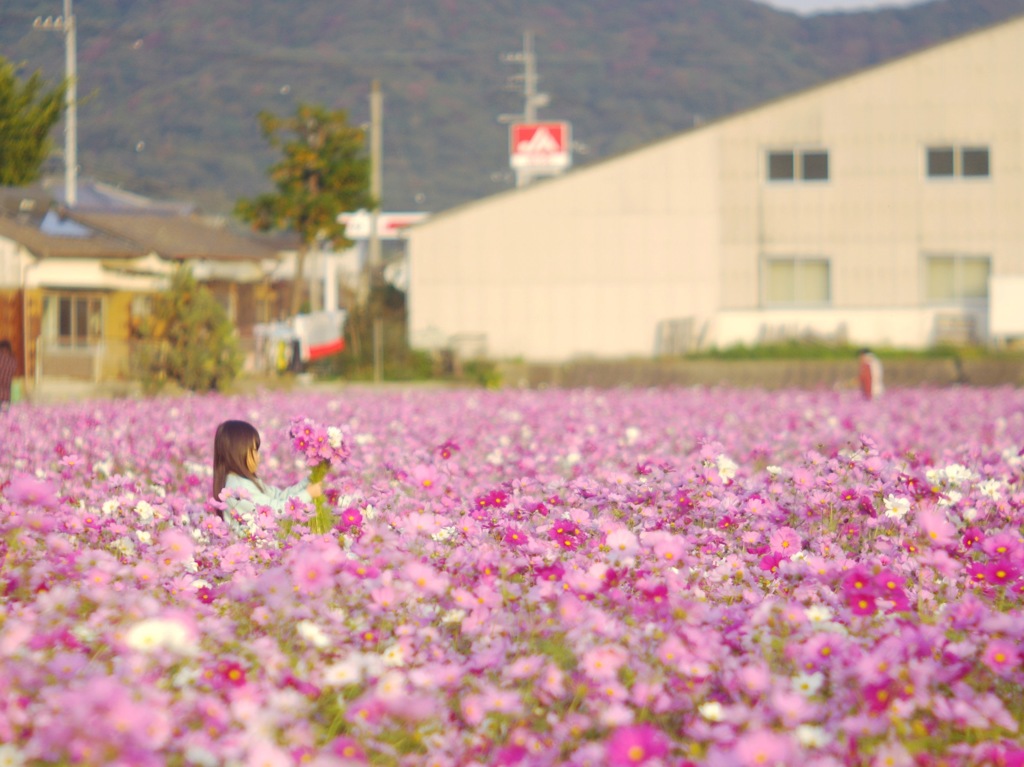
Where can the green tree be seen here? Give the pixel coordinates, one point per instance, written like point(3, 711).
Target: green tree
point(27, 113)
point(324, 171)
point(192, 342)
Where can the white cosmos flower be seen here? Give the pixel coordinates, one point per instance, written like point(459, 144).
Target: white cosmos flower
point(445, 534)
point(812, 736)
point(334, 436)
point(10, 755)
point(144, 509)
point(394, 656)
point(726, 467)
point(990, 488)
point(154, 634)
point(808, 684)
point(895, 507)
point(455, 615)
point(957, 473)
point(124, 545)
point(391, 685)
point(819, 614)
point(344, 672)
point(712, 711)
point(312, 634)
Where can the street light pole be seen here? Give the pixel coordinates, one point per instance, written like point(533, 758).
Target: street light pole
point(66, 24)
point(376, 171)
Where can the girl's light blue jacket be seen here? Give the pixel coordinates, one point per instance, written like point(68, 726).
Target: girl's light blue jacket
point(241, 512)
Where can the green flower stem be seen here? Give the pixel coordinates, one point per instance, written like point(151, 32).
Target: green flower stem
point(323, 521)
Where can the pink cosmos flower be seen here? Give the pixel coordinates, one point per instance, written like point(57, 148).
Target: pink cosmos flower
point(1002, 572)
point(785, 541)
point(473, 709)
point(764, 748)
point(1002, 656)
point(1002, 544)
point(666, 547)
point(635, 744)
point(426, 478)
point(622, 545)
point(604, 661)
point(447, 449)
point(310, 575)
point(936, 526)
point(890, 586)
point(515, 537)
point(26, 490)
point(349, 518)
point(348, 749)
point(176, 547)
point(425, 578)
point(225, 674)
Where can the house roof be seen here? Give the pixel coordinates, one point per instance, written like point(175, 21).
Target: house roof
point(125, 227)
point(178, 237)
point(26, 230)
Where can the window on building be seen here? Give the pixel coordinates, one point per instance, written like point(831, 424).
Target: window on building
point(73, 319)
point(974, 161)
point(791, 164)
point(781, 166)
point(949, 161)
point(955, 278)
point(796, 282)
point(815, 166)
point(940, 161)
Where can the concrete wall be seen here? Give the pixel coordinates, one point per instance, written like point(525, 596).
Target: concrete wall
point(765, 374)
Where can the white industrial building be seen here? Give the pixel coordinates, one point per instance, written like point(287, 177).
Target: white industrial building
point(883, 208)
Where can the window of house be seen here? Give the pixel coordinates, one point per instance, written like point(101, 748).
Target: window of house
point(950, 161)
point(956, 278)
point(796, 281)
point(73, 319)
point(791, 164)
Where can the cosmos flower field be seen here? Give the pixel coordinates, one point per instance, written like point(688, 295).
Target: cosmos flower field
point(561, 577)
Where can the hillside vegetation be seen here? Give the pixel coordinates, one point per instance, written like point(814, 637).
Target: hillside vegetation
point(170, 89)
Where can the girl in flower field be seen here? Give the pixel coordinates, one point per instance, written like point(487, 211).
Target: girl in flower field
point(236, 459)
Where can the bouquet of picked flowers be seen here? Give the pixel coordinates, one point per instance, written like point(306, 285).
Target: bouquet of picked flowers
point(321, 448)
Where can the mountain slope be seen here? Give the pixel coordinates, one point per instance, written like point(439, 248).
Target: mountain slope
point(170, 89)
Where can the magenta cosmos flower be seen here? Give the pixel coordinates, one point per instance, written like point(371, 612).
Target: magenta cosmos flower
point(635, 744)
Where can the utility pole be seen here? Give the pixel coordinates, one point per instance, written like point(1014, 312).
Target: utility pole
point(376, 112)
point(66, 24)
point(532, 99)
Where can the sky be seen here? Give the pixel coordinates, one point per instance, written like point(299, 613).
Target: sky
point(818, 6)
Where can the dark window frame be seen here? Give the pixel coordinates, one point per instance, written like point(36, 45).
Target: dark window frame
point(949, 161)
point(792, 165)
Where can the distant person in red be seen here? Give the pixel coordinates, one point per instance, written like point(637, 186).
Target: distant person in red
point(870, 374)
point(8, 369)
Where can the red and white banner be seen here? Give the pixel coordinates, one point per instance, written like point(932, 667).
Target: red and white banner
point(320, 334)
point(358, 225)
point(540, 146)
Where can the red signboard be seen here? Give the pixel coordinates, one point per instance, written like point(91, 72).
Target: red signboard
point(540, 146)
point(389, 225)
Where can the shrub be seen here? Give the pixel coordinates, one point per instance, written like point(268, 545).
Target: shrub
point(188, 339)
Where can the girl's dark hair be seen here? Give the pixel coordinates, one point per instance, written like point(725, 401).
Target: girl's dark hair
point(231, 446)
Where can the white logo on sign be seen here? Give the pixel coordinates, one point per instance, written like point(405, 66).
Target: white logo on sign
point(541, 142)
